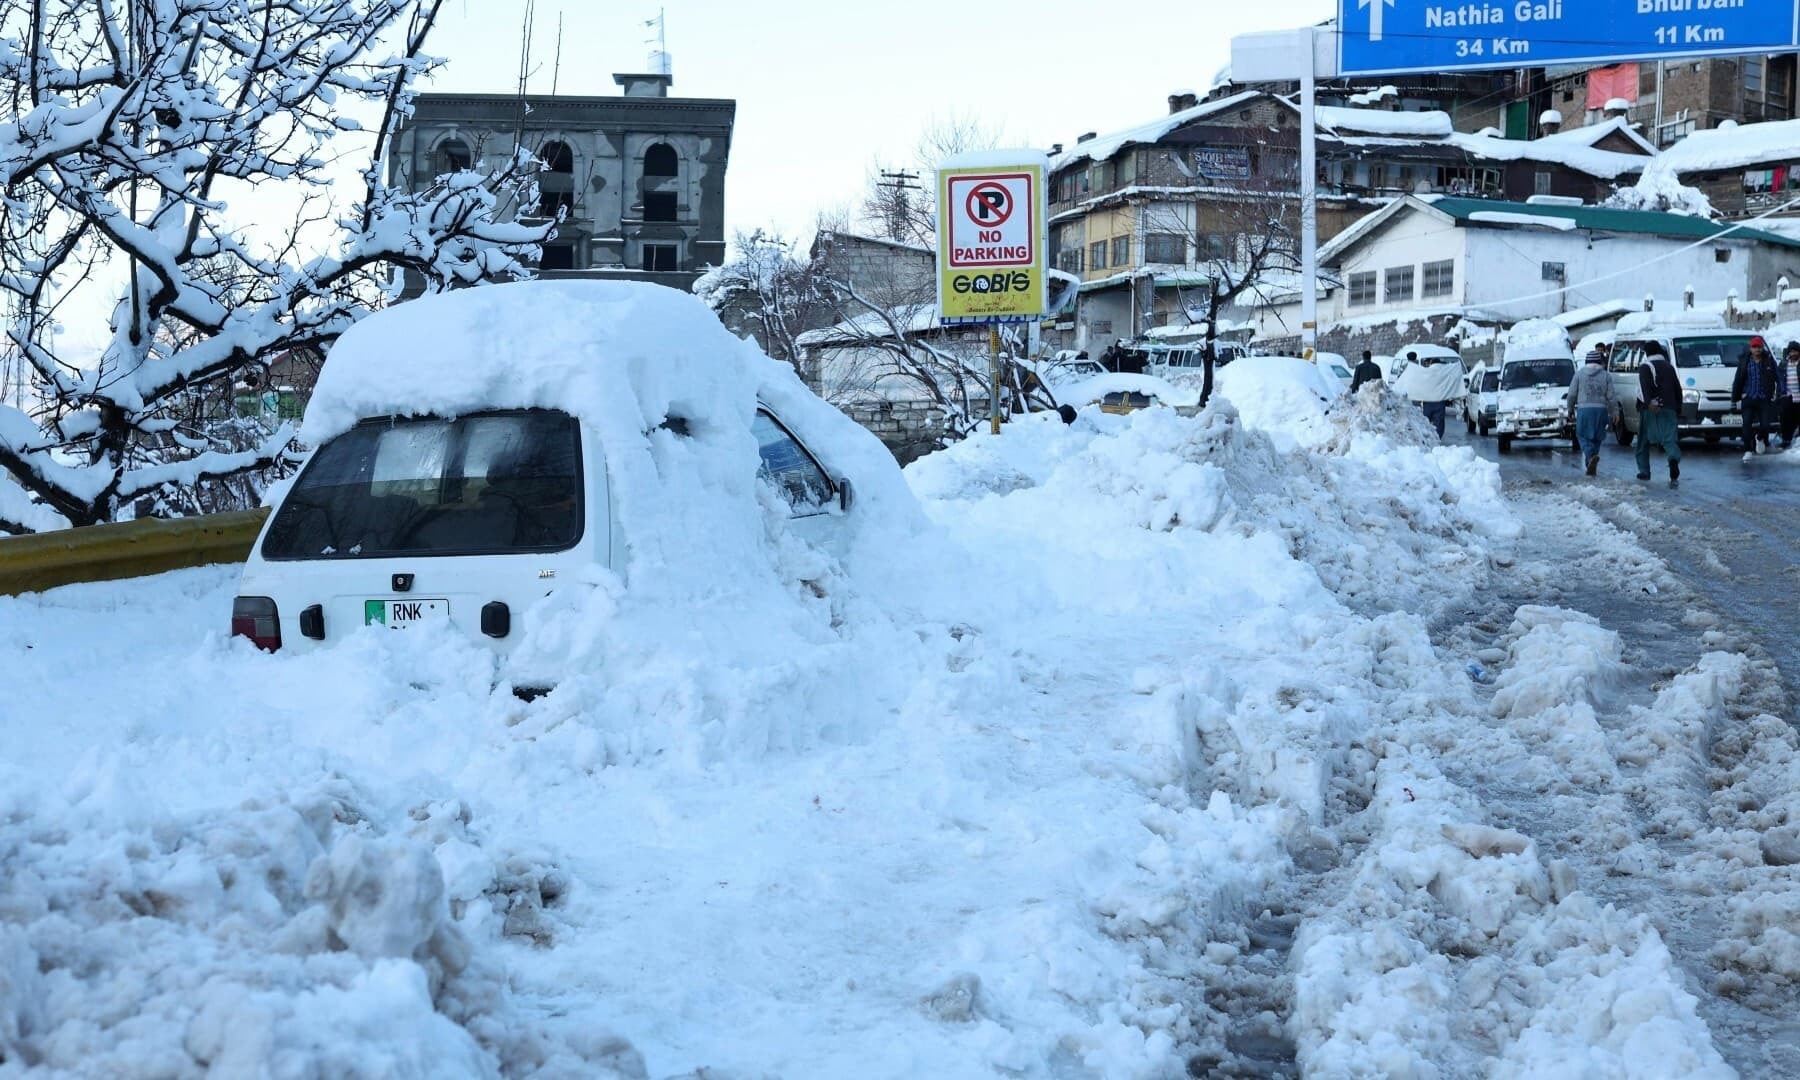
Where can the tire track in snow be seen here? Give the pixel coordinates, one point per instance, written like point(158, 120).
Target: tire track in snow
point(1702, 773)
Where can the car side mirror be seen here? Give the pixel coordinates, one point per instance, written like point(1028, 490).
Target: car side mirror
point(846, 494)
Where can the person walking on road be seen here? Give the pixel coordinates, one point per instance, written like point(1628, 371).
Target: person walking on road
point(1659, 411)
point(1591, 407)
point(1787, 393)
point(1430, 384)
point(1366, 372)
point(1753, 395)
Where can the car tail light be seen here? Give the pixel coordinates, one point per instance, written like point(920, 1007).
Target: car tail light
point(256, 618)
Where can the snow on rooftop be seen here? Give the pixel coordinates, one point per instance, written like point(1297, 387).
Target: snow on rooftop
point(1431, 124)
point(1105, 146)
point(1502, 217)
point(1776, 142)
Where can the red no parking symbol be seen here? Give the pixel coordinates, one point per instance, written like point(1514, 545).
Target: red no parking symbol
point(988, 205)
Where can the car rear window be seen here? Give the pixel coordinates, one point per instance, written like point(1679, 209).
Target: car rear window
point(1711, 352)
point(488, 483)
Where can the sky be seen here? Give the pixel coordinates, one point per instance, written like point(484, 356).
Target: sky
point(826, 90)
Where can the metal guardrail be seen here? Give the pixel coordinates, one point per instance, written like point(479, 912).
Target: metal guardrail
point(129, 549)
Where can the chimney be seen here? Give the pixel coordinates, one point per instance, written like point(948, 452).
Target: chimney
point(1182, 99)
point(1055, 149)
point(1551, 122)
point(1079, 139)
point(645, 84)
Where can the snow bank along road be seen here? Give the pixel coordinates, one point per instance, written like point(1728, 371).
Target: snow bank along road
point(1199, 787)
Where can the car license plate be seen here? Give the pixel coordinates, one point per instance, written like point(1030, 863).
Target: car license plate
point(398, 614)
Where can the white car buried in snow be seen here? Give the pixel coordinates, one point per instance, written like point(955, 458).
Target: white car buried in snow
point(478, 449)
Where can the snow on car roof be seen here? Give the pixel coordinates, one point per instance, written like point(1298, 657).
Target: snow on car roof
point(1088, 391)
point(624, 358)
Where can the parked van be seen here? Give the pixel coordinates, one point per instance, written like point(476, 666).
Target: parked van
point(1536, 367)
point(1706, 354)
point(479, 449)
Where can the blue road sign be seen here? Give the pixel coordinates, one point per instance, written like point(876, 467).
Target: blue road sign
point(1394, 37)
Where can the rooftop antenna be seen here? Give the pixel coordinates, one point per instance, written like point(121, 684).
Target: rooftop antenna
point(556, 68)
point(524, 68)
point(659, 56)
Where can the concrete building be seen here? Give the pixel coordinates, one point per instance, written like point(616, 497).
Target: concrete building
point(1141, 214)
point(641, 175)
point(1670, 102)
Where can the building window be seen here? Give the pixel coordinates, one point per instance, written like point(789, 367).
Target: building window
point(660, 256)
point(1438, 278)
point(1554, 271)
point(1721, 255)
point(1097, 254)
point(452, 155)
point(1165, 248)
point(1362, 289)
point(1540, 183)
point(659, 206)
point(1069, 260)
point(556, 184)
point(1215, 247)
point(1753, 75)
point(1399, 284)
point(661, 160)
point(558, 257)
point(1121, 251)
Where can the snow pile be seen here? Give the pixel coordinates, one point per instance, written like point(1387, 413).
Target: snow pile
point(286, 935)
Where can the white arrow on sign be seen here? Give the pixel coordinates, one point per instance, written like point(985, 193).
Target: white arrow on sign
point(1374, 7)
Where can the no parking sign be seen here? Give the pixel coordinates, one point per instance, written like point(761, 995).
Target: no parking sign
point(991, 238)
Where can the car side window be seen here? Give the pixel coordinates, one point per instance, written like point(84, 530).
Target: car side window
point(1625, 358)
point(787, 465)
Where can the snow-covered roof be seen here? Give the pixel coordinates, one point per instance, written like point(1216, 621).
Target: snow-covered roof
point(911, 319)
point(1385, 122)
point(1592, 134)
point(1533, 221)
point(1489, 213)
point(832, 235)
point(1774, 143)
point(1105, 146)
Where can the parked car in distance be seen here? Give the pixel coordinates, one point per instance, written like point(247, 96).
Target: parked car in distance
point(1706, 354)
point(1481, 397)
point(1070, 369)
point(1335, 369)
point(466, 500)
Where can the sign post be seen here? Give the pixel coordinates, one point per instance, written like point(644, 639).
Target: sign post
point(1400, 37)
point(991, 245)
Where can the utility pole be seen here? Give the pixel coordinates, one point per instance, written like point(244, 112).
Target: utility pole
point(1309, 194)
point(899, 182)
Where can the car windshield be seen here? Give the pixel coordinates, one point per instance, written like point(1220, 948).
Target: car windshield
point(1711, 352)
point(490, 483)
point(1490, 381)
point(1547, 372)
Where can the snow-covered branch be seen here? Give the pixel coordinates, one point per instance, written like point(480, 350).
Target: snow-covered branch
point(134, 122)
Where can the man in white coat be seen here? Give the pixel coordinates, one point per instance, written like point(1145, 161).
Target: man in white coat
point(1431, 383)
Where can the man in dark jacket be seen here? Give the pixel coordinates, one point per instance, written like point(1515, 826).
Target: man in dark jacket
point(1659, 411)
point(1753, 395)
point(1367, 371)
